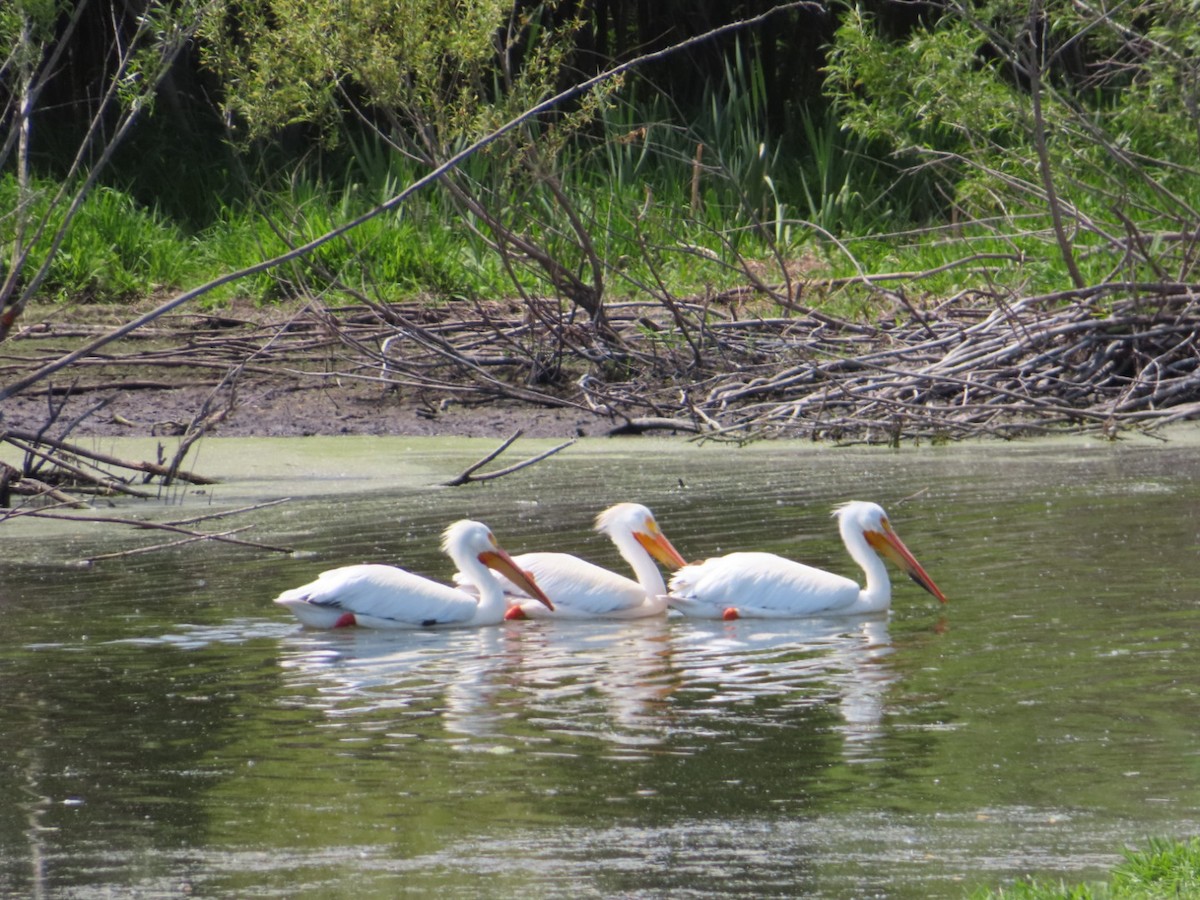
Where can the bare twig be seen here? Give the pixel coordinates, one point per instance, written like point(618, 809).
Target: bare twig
point(467, 475)
point(436, 174)
point(99, 457)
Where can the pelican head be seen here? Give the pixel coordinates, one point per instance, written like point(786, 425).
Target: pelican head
point(859, 520)
point(471, 544)
point(636, 520)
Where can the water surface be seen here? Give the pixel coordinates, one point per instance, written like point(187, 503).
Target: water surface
point(168, 729)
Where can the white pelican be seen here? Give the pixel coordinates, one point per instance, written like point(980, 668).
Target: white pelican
point(762, 585)
point(375, 596)
point(581, 590)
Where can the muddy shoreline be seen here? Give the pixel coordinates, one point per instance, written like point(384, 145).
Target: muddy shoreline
point(138, 386)
point(971, 368)
point(281, 410)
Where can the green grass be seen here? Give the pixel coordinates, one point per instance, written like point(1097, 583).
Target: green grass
point(818, 194)
point(114, 250)
point(1164, 870)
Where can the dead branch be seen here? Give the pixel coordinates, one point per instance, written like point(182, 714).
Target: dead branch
point(21, 437)
point(1102, 358)
point(467, 475)
point(167, 545)
point(101, 482)
point(23, 485)
point(224, 513)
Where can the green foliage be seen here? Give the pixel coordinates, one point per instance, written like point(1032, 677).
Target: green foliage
point(115, 249)
point(430, 77)
point(426, 64)
point(671, 201)
point(1165, 870)
point(389, 258)
point(45, 245)
point(1116, 115)
point(932, 92)
point(26, 24)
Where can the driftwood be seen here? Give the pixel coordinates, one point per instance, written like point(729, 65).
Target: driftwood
point(1033, 365)
point(1100, 359)
point(468, 475)
point(65, 473)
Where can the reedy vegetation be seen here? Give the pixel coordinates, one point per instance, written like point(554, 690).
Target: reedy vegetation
point(1001, 149)
point(952, 102)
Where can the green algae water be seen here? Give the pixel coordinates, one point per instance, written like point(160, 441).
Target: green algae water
point(168, 730)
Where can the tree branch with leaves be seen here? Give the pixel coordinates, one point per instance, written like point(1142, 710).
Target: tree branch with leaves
point(33, 38)
point(1083, 115)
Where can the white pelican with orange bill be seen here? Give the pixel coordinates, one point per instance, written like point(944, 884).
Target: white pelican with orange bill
point(376, 596)
point(766, 586)
point(582, 590)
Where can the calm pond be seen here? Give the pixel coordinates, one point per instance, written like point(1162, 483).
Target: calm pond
point(168, 730)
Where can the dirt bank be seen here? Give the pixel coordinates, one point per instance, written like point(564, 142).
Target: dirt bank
point(210, 367)
point(268, 409)
point(1100, 360)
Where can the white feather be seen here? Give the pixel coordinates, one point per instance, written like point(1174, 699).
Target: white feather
point(583, 590)
point(763, 585)
point(377, 596)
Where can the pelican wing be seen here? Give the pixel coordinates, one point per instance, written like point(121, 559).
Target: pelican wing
point(759, 584)
point(580, 589)
point(577, 588)
point(380, 597)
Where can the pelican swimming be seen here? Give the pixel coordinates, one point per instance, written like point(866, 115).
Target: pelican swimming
point(763, 585)
point(582, 590)
point(376, 596)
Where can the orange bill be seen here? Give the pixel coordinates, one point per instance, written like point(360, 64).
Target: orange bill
point(888, 544)
point(503, 563)
point(660, 548)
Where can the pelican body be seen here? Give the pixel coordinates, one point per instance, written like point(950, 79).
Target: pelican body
point(376, 596)
point(763, 585)
point(582, 590)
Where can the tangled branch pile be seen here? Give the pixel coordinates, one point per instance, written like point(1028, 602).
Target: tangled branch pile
point(1100, 359)
point(1033, 365)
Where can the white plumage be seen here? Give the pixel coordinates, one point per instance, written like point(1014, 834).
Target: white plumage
point(582, 590)
point(377, 596)
point(763, 585)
